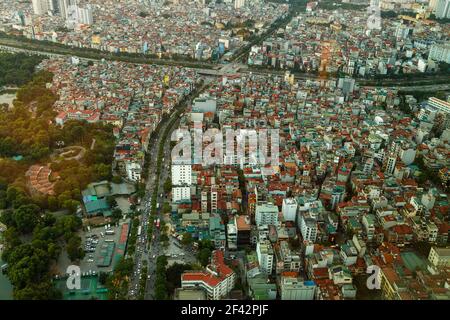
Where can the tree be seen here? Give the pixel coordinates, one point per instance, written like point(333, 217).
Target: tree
point(102, 277)
point(38, 291)
point(166, 207)
point(187, 238)
point(117, 214)
point(102, 171)
point(208, 244)
point(71, 205)
point(173, 274)
point(167, 186)
point(203, 256)
point(52, 203)
point(111, 201)
point(26, 217)
point(74, 251)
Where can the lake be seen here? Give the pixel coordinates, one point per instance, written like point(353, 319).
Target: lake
point(5, 286)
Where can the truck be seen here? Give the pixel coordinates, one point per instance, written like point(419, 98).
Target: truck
point(139, 231)
point(157, 223)
point(157, 205)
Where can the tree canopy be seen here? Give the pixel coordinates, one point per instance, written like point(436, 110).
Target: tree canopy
point(17, 69)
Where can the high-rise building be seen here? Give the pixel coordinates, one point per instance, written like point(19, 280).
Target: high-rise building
point(181, 175)
point(440, 52)
point(289, 209)
point(264, 251)
point(40, 7)
point(63, 7)
point(432, 5)
point(76, 15)
point(266, 213)
point(308, 226)
point(85, 15)
point(443, 9)
point(181, 194)
point(390, 163)
point(239, 4)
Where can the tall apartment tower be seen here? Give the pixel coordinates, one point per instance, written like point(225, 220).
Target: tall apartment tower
point(40, 7)
point(239, 4)
point(443, 9)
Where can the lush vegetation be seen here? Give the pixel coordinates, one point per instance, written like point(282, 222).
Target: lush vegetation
point(29, 261)
point(34, 238)
point(174, 273)
point(133, 237)
point(17, 69)
point(118, 282)
point(161, 279)
point(205, 248)
point(426, 174)
point(143, 281)
point(28, 130)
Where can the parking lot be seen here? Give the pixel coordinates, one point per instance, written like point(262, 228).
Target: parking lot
point(103, 248)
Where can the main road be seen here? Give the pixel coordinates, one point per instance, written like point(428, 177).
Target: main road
point(418, 83)
point(149, 249)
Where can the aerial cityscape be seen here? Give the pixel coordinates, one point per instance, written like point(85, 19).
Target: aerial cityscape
point(224, 150)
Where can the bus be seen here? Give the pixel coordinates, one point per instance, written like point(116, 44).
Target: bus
point(139, 231)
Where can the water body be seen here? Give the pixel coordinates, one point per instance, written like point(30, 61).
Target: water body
point(7, 98)
point(6, 289)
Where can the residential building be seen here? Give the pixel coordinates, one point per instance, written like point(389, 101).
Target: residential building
point(217, 280)
point(264, 252)
point(289, 209)
point(181, 194)
point(40, 7)
point(181, 175)
point(297, 289)
point(266, 213)
point(439, 257)
point(443, 9)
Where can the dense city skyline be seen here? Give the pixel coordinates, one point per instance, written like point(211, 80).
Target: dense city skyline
point(224, 150)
